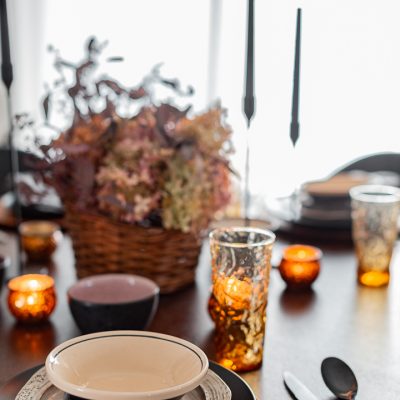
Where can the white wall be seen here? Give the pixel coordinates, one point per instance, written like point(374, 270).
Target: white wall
point(26, 21)
point(350, 81)
point(349, 91)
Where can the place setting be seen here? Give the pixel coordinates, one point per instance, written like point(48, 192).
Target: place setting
point(114, 363)
point(153, 366)
point(110, 363)
point(126, 364)
point(115, 358)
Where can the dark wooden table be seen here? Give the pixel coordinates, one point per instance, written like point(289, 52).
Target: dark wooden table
point(338, 318)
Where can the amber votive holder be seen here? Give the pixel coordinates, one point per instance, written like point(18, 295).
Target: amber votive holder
point(300, 266)
point(39, 239)
point(31, 297)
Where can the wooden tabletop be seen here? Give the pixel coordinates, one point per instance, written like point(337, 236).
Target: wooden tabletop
point(338, 318)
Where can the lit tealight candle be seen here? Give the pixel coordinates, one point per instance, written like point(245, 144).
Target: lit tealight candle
point(300, 265)
point(233, 292)
point(31, 297)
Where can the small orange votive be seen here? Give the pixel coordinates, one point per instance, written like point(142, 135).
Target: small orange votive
point(31, 297)
point(39, 239)
point(300, 265)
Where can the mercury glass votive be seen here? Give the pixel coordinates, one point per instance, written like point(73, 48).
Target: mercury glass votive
point(31, 297)
point(39, 239)
point(300, 265)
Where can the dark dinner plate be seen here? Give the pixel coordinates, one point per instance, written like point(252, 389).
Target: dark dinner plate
point(239, 388)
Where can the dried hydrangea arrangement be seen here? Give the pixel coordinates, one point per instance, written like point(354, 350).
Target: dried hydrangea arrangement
point(160, 166)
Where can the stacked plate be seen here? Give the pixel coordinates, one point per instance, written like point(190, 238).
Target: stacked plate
point(326, 203)
point(40, 388)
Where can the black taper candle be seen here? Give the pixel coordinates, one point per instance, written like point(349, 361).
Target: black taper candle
point(7, 77)
point(249, 90)
point(6, 66)
point(248, 101)
point(295, 126)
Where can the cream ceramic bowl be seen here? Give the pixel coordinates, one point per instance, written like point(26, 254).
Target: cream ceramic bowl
point(121, 365)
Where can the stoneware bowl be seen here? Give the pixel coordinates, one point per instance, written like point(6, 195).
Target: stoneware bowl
point(122, 365)
point(113, 302)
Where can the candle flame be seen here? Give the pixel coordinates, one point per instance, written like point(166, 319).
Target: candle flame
point(30, 300)
point(33, 284)
point(233, 292)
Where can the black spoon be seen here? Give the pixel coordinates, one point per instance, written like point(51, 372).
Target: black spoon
point(339, 378)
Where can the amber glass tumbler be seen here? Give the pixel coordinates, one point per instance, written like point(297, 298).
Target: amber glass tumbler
point(241, 262)
point(375, 212)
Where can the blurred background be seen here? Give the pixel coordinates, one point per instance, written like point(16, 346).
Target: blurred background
point(350, 67)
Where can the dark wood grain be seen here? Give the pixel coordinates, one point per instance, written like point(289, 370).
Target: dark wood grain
point(338, 318)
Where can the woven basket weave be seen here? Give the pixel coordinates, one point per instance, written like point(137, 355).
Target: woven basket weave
point(101, 245)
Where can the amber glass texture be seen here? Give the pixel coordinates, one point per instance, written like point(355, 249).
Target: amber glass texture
point(241, 262)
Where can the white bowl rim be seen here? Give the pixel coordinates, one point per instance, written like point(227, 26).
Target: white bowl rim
point(162, 394)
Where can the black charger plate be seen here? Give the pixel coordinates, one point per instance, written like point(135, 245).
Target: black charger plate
point(239, 388)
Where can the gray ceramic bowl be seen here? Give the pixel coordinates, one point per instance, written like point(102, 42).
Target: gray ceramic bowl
point(113, 302)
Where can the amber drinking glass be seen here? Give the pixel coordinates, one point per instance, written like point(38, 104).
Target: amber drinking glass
point(241, 263)
point(375, 212)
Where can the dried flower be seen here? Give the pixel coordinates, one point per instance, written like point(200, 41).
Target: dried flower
point(157, 166)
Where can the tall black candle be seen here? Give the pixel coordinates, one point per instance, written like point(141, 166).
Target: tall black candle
point(7, 77)
point(6, 66)
point(249, 89)
point(295, 126)
point(248, 102)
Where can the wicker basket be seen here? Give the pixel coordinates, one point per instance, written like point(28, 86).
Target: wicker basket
point(101, 245)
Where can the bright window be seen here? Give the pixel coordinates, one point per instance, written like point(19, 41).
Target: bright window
point(349, 91)
point(350, 69)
